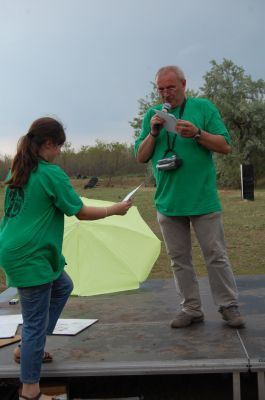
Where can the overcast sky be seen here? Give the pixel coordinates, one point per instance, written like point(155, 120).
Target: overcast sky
point(89, 62)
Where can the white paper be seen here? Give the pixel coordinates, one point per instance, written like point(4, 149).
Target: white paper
point(130, 195)
point(72, 326)
point(170, 120)
point(8, 330)
point(16, 318)
point(9, 325)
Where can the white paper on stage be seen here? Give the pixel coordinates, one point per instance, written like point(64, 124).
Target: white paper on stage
point(130, 195)
point(9, 324)
point(170, 120)
point(8, 330)
point(72, 326)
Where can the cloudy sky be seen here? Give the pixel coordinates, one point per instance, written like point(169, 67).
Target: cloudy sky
point(88, 62)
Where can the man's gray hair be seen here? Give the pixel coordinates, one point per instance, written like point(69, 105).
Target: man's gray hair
point(174, 68)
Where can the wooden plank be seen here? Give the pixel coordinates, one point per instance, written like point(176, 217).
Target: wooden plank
point(6, 342)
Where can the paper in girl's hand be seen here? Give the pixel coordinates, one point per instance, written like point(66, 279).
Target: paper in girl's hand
point(132, 193)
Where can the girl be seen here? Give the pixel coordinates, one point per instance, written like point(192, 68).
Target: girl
point(38, 195)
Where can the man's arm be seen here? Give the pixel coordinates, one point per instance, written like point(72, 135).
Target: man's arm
point(147, 146)
point(216, 143)
point(213, 142)
point(146, 149)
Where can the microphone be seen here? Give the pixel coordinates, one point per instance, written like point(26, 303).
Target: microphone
point(165, 108)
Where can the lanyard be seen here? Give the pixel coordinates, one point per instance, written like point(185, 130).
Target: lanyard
point(170, 148)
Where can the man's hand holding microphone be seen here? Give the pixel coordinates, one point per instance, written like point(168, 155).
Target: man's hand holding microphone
point(157, 122)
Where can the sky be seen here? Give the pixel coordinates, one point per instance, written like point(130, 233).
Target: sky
point(88, 62)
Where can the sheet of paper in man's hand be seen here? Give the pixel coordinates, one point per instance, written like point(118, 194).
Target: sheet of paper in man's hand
point(130, 195)
point(170, 120)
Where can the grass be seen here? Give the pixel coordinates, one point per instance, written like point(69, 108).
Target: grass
point(244, 224)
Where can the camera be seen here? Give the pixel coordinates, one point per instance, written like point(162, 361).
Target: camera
point(166, 164)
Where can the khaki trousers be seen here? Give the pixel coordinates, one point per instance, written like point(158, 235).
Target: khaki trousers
point(209, 231)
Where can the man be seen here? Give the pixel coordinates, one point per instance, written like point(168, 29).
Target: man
point(186, 194)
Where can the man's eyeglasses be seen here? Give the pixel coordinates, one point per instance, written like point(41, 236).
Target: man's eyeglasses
point(169, 89)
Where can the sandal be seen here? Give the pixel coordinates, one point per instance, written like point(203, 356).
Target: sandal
point(30, 398)
point(38, 397)
point(47, 358)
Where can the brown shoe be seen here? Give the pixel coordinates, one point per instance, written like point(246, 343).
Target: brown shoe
point(183, 320)
point(232, 316)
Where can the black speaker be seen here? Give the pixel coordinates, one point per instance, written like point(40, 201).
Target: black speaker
point(247, 181)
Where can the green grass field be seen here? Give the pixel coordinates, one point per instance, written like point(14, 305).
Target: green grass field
point(244, 223)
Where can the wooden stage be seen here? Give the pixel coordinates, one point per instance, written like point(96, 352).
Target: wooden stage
point(133, 347)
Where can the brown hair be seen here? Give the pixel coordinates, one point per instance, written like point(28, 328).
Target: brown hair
point(27, 157)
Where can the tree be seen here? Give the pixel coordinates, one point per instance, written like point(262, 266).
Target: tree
point(5, 164)
point(144, 103)
point(240, 101)
point(67, 158)
point(109, 159)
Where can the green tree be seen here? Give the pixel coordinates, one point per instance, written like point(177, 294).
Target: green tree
point(240, 101)
point(67, 158)
point(144, 103)
point(5, 164)
point(110, 159)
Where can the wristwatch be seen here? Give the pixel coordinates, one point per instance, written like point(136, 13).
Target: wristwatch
point(198, 134)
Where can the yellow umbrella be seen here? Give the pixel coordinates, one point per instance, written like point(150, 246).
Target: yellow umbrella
point(109, 255)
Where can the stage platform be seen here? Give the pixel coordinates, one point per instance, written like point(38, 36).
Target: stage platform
point(133, 338)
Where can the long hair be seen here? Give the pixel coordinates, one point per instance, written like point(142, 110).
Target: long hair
point(28, 148)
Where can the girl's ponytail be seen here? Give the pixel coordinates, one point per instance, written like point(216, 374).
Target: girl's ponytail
point(27, 157)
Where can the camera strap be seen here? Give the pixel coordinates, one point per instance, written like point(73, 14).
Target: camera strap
point(171, 148)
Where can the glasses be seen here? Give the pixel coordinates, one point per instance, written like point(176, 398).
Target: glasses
point(169, 89)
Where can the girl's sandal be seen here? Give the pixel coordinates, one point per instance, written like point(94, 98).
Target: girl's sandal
point(47, 357)
point(38, 397)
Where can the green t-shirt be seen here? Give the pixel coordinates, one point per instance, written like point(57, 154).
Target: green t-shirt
point(190, 189)
point(31, 231)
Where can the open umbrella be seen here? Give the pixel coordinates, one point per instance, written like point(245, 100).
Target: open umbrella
point(109, 255)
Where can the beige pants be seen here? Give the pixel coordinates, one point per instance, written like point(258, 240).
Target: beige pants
point(209, 231)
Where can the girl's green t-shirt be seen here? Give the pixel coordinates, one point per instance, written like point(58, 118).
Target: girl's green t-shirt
point(190, 189)
point(31, 231)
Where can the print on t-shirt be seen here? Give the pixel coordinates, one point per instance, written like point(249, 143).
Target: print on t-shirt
point(14, 202)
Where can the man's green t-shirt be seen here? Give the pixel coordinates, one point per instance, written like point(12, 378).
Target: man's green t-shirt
point(31, 231)
point(190, 189)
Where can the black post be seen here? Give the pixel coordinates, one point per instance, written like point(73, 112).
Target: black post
point(247, 181)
